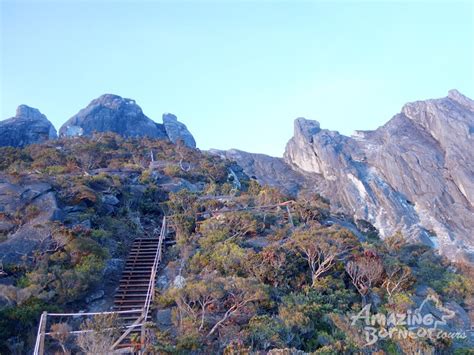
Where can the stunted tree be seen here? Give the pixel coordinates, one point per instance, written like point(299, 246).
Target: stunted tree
point(182, 205)
point(310, 206)
point(196, 298)
point(322, 248)
point(365, 271)
point(207, 304)
point(270, 195)
point(241, 295)
point(395, 242)
point(182, 202)
point(270, 265)
point(61, 332)
point(235, 224)
point(397, 278)
point(99, 334)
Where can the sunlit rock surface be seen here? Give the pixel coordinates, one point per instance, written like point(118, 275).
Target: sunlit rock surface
point(112, 113)
point(415, 173)
point(28, 126)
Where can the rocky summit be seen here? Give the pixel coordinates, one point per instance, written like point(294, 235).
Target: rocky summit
point(414, 174)
point(29, 126)
point(107, 113)
point(85, 220)
point(112, 113)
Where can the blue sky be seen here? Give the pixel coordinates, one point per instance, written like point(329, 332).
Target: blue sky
point(236, 72)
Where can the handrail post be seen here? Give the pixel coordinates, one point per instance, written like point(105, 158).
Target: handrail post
point(290, 218)
point(142, 336)
point(39, 346)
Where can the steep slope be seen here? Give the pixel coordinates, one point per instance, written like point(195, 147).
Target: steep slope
point(29, 126)
point(267, 170)
point(415, 173)
point(72, 209)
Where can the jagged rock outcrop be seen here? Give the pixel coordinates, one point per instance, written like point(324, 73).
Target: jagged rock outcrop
point(267, 170)
point(177, 131)
point(415, 173)
point(29, 126)
point(33, 202)
point(112, 113)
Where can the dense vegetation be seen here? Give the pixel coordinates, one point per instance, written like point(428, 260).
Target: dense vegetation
point(243, 276)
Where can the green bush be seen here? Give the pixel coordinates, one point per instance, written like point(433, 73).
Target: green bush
point(21, 321)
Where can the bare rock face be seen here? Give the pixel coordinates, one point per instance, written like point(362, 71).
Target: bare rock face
point(415, 173)
point(177, 131)
point(112, 113)
point(36, 203)
point(267, 170)
point(29, 126)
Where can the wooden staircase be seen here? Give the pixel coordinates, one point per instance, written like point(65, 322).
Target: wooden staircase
point(133, 287)
point(136, 287)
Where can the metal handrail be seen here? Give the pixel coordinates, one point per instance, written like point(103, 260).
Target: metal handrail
point(39, 334)
point(92, 313)
point(140, 322)
point(145, 309)
point(151, 284)
point(44, 316)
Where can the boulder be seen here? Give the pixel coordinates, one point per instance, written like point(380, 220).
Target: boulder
point(36, 203)
point(28, 126)
point(110, 200)
point(164, 319)
point(113, 270)
point(97, 295)
point(177, 131)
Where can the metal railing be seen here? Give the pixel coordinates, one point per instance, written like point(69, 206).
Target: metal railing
point(40, 336)
point(141, 320)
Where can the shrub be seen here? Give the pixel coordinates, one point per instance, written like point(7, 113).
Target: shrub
point(106, 328)
point(21, 320)
point(32, 211)
point(264, 332)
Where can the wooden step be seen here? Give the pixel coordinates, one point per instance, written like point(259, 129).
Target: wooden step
point(127, 276)
point(140, 263)
point(128, 298)
point(134, 283)
point(138, 267)
point(138, 285)
point(134, 279)
point(143, 259)
point(143, 251)
point(150, 258)
point(131, 304)
point(130, 293)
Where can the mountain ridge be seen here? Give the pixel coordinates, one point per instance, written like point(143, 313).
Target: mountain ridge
point(107, 113)
point(413, 173)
